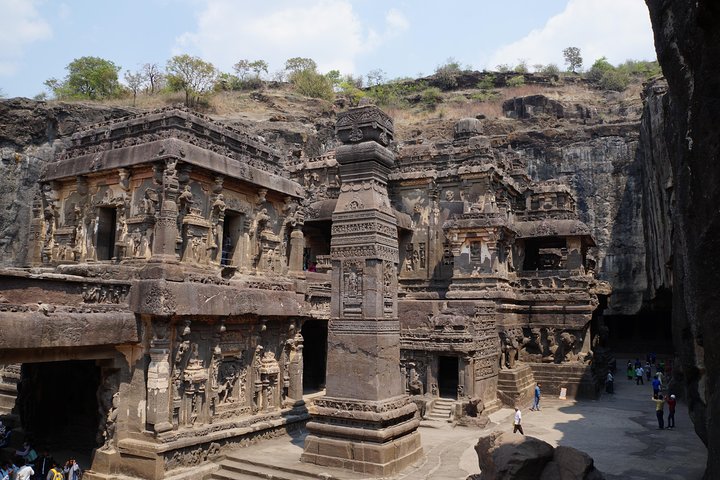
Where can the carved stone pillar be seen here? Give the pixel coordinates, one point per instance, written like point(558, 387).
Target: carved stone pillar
point(366, 423)
point(297, 245)
point(166, 229)
point(158, 386)
point(295, 391)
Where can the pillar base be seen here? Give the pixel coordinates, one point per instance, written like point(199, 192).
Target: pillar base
point(377, 438)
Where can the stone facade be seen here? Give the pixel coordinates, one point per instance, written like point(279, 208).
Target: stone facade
point(185, 259)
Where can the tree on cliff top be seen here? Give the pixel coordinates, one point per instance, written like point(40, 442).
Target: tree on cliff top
point(191, 75)
point(90, 78)
point(573, 59)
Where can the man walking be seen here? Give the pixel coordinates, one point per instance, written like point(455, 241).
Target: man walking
point(517, 423)
point(656, 386)
point(639, 376)
point(671, 411)
point(536, 400)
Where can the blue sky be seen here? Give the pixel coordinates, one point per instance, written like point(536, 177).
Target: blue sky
point(38, 38)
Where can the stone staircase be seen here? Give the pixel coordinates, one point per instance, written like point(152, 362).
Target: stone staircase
point(239, 468)
point(516, 386)
point(442, 410)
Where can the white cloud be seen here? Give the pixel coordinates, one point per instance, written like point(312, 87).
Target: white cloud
point(616, 29)
point(328, 31)
point(20, 25)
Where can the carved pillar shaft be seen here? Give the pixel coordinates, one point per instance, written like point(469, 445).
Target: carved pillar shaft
point(366, 408)
point(158, 388)
point(166, 229)
point(297, 245)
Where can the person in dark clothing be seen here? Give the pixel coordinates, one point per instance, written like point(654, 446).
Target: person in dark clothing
point(671, 411)
point(43, 464)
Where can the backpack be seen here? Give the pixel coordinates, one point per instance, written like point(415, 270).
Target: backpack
point(57, 474)
point(32, 455)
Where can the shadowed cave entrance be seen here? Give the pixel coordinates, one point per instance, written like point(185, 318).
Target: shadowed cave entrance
point(58, 407)
point(314, 334)
point(448, 376)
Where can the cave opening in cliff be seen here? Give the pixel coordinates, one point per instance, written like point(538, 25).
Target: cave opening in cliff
point(314, 334)
point(58, 406)
point(650, 330)
point(545, 253)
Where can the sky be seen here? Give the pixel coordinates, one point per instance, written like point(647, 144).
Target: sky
point(403, 38)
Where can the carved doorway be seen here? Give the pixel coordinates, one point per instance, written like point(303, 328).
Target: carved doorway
point(448, 374)
point(314, 334)
point(58, 407)
point(105, 241)
point(232, 235)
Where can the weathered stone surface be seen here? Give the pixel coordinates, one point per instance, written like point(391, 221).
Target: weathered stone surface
point(687, 41)
point(508, 456)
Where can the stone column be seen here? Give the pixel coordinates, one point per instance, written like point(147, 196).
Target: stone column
point(297, 245)
point(366, 422)
point(158, 386)
point(166, 229)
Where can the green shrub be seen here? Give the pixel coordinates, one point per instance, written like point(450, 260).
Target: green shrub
point(614, 80)
point(487, 82)
point(550, 69)
point(312, 84)
point(431, 97)
point(446, 75)
point(516, 81)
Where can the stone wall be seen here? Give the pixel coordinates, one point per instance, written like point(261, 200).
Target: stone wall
point(687, 41)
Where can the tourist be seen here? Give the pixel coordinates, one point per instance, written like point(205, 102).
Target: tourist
point(609, 383)
point(517, 422)
point(536, 401)
point(43, 465)
point(671, 411)
point(639, 376)
point(25, 472)
point(659, 405)
point(648, 371)
point(312, 267)
point(7, 472)
point(27, 453)
point(72, 470)
point(630, 370)
point(656, 386)
point(55, 473)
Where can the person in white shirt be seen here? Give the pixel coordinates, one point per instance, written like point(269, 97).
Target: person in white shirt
point(517, 423)
point(25, 473)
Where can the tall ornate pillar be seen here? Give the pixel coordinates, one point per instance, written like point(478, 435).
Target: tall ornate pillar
point(166, 229)
point(366, 422)
point(158, 378)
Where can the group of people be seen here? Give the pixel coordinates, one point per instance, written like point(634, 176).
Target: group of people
point(635, 370)
point(38, 467)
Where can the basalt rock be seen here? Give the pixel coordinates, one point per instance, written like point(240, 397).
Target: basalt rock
point(507, 456)
point(687, 41)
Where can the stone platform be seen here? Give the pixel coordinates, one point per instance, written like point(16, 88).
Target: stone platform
point(577, 378)
point(516, 386)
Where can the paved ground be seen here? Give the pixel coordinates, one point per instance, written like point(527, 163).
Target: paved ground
point(619, 431)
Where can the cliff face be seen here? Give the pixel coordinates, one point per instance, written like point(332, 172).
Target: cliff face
point(687, 41)
point(30, 132)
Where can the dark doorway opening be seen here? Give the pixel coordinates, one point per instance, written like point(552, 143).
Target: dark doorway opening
point(232, 228)
point(58, 407)
point(314, 334)
point(448, 376)
point(107, 218)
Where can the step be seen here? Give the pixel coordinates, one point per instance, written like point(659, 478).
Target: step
point(256, 469)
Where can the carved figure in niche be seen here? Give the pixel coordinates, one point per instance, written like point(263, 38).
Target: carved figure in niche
point(257, 379)
point(449, 195)
point(186, 199)
point(111, 423)
point(228, 375)
point(150, 202)
point(352, 284)
point(509, 348)
point(262, 220)
point(218, 206)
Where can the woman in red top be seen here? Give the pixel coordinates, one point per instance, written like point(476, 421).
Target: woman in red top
point(671, 411)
